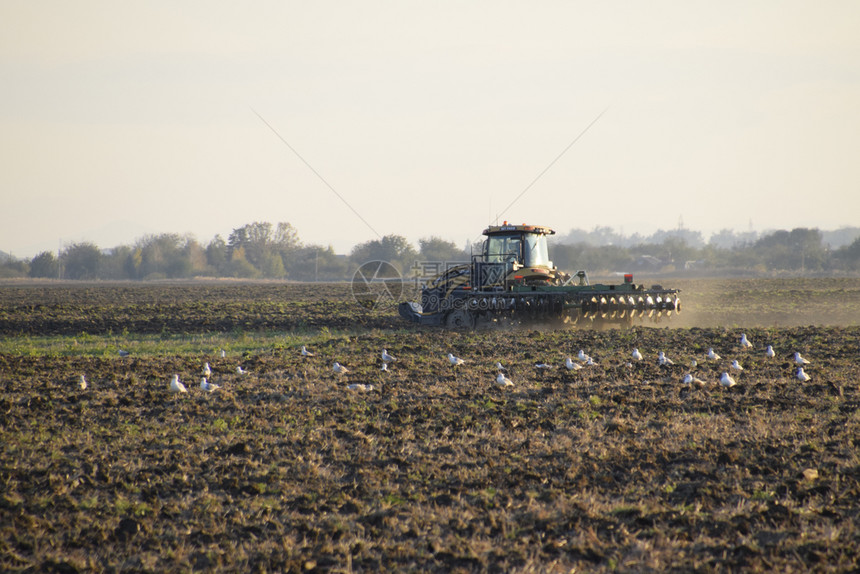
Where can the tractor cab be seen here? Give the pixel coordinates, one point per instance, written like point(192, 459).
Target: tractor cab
point(522, 249)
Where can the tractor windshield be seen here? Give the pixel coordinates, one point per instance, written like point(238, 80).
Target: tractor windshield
point(504, 248)
point(536, 253)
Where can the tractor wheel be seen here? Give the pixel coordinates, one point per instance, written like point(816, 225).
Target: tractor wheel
point(460, 319)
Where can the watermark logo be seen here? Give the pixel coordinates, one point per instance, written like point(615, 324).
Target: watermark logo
point(377, 285)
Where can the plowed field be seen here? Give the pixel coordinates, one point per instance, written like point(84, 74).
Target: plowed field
point(618, 465)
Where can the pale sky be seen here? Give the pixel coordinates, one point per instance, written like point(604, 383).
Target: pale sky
point(119, 119)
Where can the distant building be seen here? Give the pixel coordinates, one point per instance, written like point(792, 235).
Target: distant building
point(647, 262)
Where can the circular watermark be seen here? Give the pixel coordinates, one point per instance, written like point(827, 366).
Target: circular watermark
point(377, 285)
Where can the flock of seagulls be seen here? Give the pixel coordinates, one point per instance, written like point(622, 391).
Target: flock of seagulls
point(502, 380)
point(726, 379)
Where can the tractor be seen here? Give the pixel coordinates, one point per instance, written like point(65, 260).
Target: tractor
point(513, 280)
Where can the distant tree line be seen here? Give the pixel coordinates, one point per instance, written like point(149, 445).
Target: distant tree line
point(257, 250)
point(261, 250)
point(799, 250)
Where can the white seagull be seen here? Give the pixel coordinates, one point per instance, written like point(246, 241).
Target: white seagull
point(726, 380)
point(712, 355)
point(500, 367)
point(689, 378)
point(800, 360)
point(386, 358)
point(359, 387)
point(223, 353)
point(207, 386)
point(769, 352)
point(384, 367)
point(83, 383)
point(240, 370)
point(207, 371)
point(123, 353)
point(305, 352)
point(542, 366)
point(339, 369)
point(582, 356)
point(745, 343)
point(455, 361)
point(503, 381)
point(637, 356)
point(737, 366)
point(176, 386)
point(694, 363)
point(801, 375)
point(571, 366)
point(662, 359)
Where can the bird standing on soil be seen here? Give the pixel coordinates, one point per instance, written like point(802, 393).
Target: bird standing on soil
point(223, 353)
point(737, 366)
point(503, 381)
point(800, 360)
point(176, 386)
point(542, 366)
point(801, 375)
point(207, 386)
point(745, 343)
point(240, 370)
point(386, 358)
point(769, 352)
point(582, 356)
point(571, 366)
point(359, 387)
point(727, 381)
point(123, 353)
point(305, 352)
point(637, 356)
point(712, 355)
point(83, 383)
point(339, 369)
point(662, 359)
point(384, 367)
point(207, 371)
point(455, 361)
point(500, 367)
point(690, 379)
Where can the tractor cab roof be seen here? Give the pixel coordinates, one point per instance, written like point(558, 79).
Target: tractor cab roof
point(506, 228)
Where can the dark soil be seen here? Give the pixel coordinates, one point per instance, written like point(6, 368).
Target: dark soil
point(617, 466)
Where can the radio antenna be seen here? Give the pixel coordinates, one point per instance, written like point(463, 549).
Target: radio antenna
point(558, 157)
point(316, 173)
